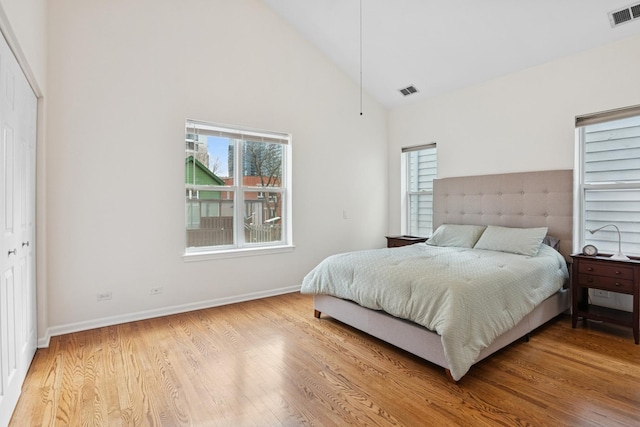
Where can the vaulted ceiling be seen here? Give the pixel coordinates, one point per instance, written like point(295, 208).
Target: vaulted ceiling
point(439, 46)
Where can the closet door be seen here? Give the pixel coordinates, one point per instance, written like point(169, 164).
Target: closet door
point(18, 110)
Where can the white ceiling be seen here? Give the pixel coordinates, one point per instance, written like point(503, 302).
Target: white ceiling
point(443, 45)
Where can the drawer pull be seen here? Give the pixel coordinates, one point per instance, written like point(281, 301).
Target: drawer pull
point(590, 269)
point(617, 272)
point(617, 284)
point(590, 280)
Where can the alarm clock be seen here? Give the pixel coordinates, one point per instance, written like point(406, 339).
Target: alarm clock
point(590, 250)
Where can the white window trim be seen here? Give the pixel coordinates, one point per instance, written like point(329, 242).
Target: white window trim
point(236, 253)
point(405, 211)
point(578, 192)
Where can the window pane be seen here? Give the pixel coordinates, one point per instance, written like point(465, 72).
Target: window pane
point(210, 219)
point(263, 217)
point(612, 151)
point(208, 159)
point(420, 214)
point(619, 207)
point(262, 164)
point(209, 210)
point(421, 169)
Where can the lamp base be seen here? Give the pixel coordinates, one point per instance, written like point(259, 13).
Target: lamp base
point(620, 257)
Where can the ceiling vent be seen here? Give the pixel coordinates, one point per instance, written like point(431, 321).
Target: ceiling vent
point(408, 90)
point(627, 14)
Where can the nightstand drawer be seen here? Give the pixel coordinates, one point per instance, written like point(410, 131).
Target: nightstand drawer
point(606, 283)
point(606, 269)
point(398, 241)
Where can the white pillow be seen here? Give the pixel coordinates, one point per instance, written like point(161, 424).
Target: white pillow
point(456, 235)
point(523, 241)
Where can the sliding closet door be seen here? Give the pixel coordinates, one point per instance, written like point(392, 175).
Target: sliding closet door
point(18, 110)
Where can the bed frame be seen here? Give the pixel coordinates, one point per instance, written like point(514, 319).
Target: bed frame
point(527, 199)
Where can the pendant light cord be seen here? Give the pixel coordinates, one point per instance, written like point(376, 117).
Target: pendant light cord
point(360, 57)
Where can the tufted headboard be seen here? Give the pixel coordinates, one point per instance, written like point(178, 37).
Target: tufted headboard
point(526, 199)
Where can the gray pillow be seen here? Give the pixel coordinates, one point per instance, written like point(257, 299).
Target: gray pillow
point(523, 241)
point(456, 235)
point(554, 242)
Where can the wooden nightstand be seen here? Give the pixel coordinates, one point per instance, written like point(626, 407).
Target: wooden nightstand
point(601, 272)
point(397, 241)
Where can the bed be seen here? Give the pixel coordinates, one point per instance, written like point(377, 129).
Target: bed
point(527, 201)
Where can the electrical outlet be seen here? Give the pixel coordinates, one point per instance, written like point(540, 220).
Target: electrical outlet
point(155, 291)
point(600, 293)
point(104, 296)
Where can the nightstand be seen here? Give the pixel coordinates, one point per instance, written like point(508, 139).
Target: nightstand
point(601, 272)
point(397, 241)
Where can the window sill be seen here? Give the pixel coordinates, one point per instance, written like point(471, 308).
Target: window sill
point(236, 253)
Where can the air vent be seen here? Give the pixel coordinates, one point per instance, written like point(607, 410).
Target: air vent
point(408, 90)
point(621, 16)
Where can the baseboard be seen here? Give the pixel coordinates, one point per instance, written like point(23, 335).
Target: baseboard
point(43, 342)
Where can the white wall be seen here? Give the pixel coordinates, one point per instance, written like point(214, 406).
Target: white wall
point(123, 76)
point(521, 122)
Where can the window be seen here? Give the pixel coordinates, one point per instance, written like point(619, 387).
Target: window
point(608, 176)
point(237, 185)
point(419, 171)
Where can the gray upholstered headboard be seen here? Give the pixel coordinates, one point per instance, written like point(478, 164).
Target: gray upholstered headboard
point(526, 199)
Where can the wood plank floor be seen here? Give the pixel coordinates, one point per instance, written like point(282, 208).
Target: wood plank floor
point(270, 362)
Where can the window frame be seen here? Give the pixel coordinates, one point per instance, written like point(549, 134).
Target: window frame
point(581, 187)
point(407, 192)
point(240, 247)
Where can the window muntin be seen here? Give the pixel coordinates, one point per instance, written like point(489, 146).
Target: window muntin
point(420, 165)
point(609, 183)
point(237, 188)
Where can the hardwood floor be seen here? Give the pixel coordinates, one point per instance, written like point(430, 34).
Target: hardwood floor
point(270, 362)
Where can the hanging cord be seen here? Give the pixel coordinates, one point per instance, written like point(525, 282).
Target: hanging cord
point(360, 57)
